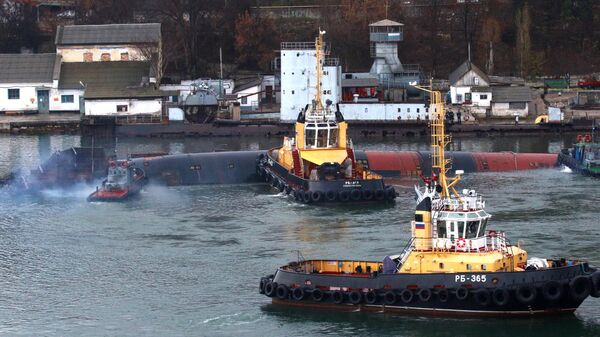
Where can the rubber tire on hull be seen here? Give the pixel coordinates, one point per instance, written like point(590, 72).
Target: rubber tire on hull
point(580, 287)
point(425, 295)
point(371, 297)
point(595, 279)
point(390, 298)
point(316, 196)
point(298, 294)
point(306, 197)
point(526, 294)
point(461, 293)
point(552, 291)
point(344, 196)
point(482, 297)
point(379, 195)
point(338, 297)
point(261, 285)
point(367, 195)
point(355, 195)
point(282, 291)
point(317, 295)
point(406, 296)
point(390, 193)
point(355, 297)
point(501, 297)
point(270, 288)
point(330, 196)
point(443, 295)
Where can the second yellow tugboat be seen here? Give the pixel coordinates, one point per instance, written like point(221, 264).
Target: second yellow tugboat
point(319, 164)
point(454, 263)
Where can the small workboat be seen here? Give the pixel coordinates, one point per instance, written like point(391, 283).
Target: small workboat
point(454, 263)
point(123, 181)
point(584, 156)
point(319, 165)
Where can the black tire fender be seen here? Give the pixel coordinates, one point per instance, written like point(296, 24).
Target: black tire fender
point(355, 297)
point(425, 294)
point(390, 298)
point(552, 290)
point(316, 196)
point(355, 195)
point(261, 286)
point(501, 297)
point(379, 195)
point(595, 279)
point(270, 288)
point(344, 196)
point(298, 294)
point(483, 297)
point(390, 193)
point(367, 195)
point(580, 287)
point(317, 295)
point(443, 295)
point(406, 295)
point(330, 196)
point(338, 297)
point(526, 294)
point(371, 297)
point(461, 293)
point(282, 291)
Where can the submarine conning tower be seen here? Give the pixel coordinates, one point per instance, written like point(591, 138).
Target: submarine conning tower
point(384, 37)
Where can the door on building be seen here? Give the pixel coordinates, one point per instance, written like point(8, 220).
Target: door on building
point(43, 97)
point(269, 94)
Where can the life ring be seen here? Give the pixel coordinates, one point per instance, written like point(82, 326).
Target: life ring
point(298, 294)
point(379, 195)
point(390, 297)
point(344, 195)
point(580, 287)
point(406, 296)
point(461, 293)
point(355, 195)
point(270, 288)
point(317, 295)
point(316, 196)
point(552, 291)
point(461, 243)
point(425, 295)
point(579, 138)
point(588, 138)
point(371, 297)
point(355, 297)
point(282, 291)
point(595, 280)
point(367, 195)
point(483, 297)
point(338, 297)
point(330, 196)
point(501, 296)
point(526, 294)
point(443, 295)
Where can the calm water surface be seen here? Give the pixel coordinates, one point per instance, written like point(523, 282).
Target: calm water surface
point(187, 260)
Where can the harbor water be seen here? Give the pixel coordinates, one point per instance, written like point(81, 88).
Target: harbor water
point(186, 261)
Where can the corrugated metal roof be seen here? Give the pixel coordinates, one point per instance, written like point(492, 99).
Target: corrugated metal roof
point(481, 89)
point(242, 85)
point(109, 79)
point(27, 68)
point(463, 69)
point(385, 22)
point(108, 34)
point(511, 94)
point(360, 82)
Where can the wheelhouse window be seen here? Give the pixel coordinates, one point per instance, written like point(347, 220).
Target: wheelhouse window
point(14, 93)
point(461, 229)
point(472, 228)
point(321, 135)
point(121, 108)
point(441, 229)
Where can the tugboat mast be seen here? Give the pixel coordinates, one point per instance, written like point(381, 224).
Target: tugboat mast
point(319, 52)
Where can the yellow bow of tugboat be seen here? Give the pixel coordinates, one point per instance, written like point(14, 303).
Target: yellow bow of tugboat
point(319, 164)
point(454, 264)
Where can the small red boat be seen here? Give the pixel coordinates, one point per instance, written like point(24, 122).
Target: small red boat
point(122, 182)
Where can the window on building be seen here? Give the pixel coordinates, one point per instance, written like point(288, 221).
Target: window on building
point(517, 105)
point(105, 57)
point(399, 109)
point(482, 96)
point(14, 93)
point(244, 100)
point(124, 56)
point(67, 98)
point(174, 98)
point(88, 57)
point(407, 109)
point(476, 80)
point(418, 110)
point(468, 96)
point(293, 92)
point(121, 108)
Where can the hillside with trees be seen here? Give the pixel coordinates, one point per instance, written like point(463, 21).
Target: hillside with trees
point(521, 37)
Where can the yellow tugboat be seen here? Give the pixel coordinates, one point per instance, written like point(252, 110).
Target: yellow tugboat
point(319, 164)
point(454, 263)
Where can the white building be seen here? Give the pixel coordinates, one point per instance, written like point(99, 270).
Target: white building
point(298, 78)
point(249, 93)
point(463, 79)
point(114, 42)
point(28, 83)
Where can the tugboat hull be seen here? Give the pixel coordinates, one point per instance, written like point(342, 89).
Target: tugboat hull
point(570, 162)
point(535, 292)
